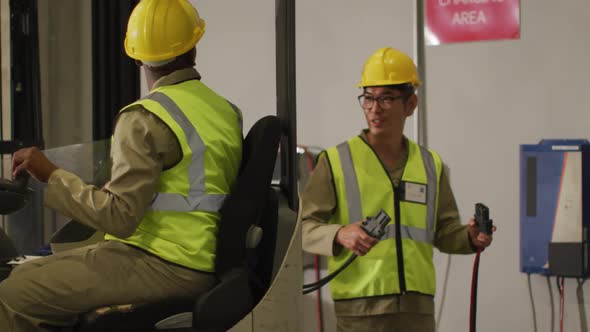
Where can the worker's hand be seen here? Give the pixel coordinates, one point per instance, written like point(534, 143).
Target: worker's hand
point(355, 238)
point(32, 160)
point(478, 239)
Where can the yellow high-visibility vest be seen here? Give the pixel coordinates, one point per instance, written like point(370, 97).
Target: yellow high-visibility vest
point(180, 225)
point(402, 261)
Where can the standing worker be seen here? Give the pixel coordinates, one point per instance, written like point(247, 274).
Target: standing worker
point(391, 287)
point(175, 154)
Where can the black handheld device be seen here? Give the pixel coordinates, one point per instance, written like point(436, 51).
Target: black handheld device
point(13, 194)
point(375, 226)
point(482, 218)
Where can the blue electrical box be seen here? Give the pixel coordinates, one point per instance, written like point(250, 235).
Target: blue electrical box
point(555, 207)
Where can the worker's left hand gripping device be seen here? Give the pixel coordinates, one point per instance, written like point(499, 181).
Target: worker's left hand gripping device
point(374, 227)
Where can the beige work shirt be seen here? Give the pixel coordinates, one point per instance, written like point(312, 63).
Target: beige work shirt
point(143, 146)
point(318, 203)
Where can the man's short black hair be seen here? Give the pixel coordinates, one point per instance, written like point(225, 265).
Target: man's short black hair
point(406, 89)
point(186, 60)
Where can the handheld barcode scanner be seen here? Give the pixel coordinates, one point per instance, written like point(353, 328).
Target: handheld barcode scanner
point(13, 194)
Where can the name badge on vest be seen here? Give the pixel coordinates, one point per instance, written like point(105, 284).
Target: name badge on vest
point(414, 192)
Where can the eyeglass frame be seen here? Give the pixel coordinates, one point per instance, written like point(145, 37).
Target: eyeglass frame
point(380, 100)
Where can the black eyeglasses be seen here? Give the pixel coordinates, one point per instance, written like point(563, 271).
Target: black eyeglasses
point(385, 102)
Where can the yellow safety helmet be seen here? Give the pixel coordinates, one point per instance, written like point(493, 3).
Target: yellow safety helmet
point(162, 29)
point(389, 66)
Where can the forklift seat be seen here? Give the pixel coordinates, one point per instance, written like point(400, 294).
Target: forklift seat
point(244, 259)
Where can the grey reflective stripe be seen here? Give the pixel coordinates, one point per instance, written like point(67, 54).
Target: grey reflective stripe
point(197, 199)
point(353, 194)
point(431, 177)
point(408, 232)
point(238, 113)
point(177, 202)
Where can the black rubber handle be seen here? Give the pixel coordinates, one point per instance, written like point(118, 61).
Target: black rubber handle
point(482, 218)
point(21, 181)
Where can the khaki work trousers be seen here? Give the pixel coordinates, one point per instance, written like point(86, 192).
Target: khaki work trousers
point(400, 322)
point(54, 290)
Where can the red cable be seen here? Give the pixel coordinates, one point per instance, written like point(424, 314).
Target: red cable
point(473, 305)
point(561, 303)
point(308, 157)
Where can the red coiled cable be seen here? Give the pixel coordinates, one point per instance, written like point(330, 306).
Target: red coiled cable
point(473, 306)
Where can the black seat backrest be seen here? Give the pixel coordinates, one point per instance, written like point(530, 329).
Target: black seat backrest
point(247, 203)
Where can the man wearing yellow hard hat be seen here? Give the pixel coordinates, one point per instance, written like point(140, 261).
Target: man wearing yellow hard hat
point(176, 155)
point(390, 287)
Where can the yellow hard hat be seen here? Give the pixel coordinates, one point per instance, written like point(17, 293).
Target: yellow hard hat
point(162, 29)
point(389, 66)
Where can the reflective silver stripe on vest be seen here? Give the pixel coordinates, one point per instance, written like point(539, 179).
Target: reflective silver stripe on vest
point(409, 232)
point(354, 200)
point(432, 179)
point(353, 194)
point(197, 199)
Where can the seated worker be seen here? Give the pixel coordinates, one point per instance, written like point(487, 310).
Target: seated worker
point(176, 155)
point(391, 287)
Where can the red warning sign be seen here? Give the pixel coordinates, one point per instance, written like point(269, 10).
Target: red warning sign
point(451, 21)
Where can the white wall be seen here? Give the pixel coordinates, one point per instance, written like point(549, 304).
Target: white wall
point(484, 99)
point(236, 56)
